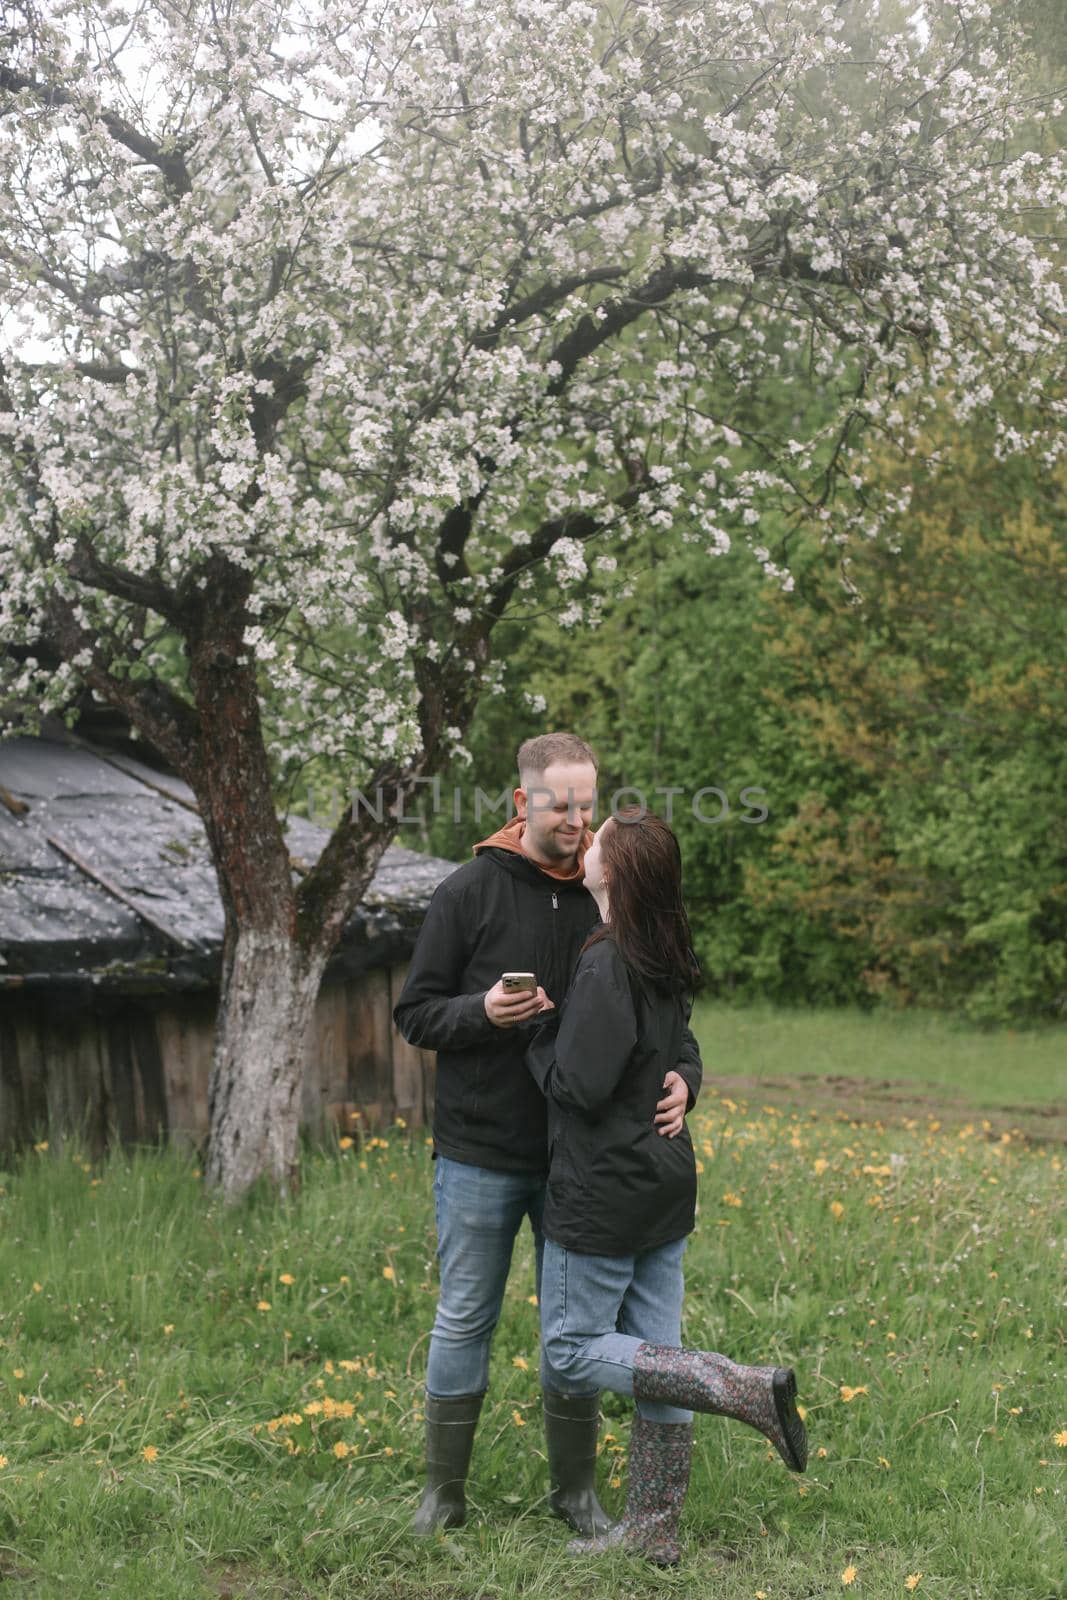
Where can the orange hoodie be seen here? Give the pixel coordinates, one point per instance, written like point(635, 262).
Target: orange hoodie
point(507, 838)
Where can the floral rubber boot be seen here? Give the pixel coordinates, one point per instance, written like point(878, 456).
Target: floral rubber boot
point(702, 1380)
point(660, 1457)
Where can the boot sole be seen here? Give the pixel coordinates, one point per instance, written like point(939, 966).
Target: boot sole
point(794, 1433)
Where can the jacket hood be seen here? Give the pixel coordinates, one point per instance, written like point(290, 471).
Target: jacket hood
point(507, 850)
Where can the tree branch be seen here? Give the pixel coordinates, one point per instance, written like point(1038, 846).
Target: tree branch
point(572, 525)
point(114, 372)
point(163, 717)
point(330, 892)
point(170, 163)
point(549, 294)
point(87, 567)
point(590, 332)
point(587, 335)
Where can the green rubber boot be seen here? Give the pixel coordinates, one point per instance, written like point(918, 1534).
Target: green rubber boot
point(450, 1426)
point(571, 1426)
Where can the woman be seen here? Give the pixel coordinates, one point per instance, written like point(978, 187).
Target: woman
point(621, 1199)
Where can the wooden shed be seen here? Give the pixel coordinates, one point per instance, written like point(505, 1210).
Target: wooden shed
point(110, 947)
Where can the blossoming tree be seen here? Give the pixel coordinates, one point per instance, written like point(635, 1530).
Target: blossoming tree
point(334, 331)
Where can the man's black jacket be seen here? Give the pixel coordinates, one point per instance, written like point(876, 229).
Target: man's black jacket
point(498, 913)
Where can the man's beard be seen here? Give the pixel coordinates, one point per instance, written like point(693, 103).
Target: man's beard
point(563, 849)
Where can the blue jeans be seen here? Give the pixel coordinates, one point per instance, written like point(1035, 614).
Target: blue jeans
point(479, 1213)
point(597, 1310)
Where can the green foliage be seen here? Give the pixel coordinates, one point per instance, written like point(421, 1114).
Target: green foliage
point(673, 691)
point(941, 685)
point(903, 711)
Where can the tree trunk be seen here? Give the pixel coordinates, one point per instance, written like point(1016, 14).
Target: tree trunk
point(269, 979)
point(266, 1007)
point(278, 939)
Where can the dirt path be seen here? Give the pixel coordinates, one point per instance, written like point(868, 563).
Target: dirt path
point(887, 1100)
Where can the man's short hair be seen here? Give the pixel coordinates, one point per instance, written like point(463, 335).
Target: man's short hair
point(535, 755)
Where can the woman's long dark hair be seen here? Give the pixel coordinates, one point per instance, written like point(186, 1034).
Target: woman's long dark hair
point(647, 917)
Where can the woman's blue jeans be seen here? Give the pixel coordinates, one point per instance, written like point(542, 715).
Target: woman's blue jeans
point(479, 1213)
point(597, 1310)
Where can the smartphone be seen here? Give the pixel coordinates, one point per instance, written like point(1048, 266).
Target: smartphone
point(516, 982)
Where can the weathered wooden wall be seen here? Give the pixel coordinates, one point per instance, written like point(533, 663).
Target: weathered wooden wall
point(134, 1073)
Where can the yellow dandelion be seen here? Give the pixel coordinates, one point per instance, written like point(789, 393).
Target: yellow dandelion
point(37, 1288)
point(819, 1166)
point(848, 1393)
point(399, 1122)
point(18, 1372)
point(821, 1453)
point(913, 1580)
point(802, 1412)
point(168, 1327)
point(150, 1452)
point(731, 1199)
point(340, 1449)
point(42, 1146)
point(388, 1272)
point(882, 1462)
point(1060, 1438)
point(531, 1299)
point(388, 1450)
point(518, 1419)
point(287, 1278)
point(78, 1421)
point(3, 1462)
point(22, 1400)
point(346, 1143)
point(520, 1362)
point(344, 1279)
point(848, 1577)
point(262, 1305)
point(837, 1210)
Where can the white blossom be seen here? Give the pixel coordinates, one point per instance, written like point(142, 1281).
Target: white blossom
point(366, 325)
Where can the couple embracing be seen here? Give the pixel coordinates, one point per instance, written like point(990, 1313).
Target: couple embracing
point(567, 1104)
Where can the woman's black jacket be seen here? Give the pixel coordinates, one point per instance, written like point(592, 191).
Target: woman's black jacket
point(616, 1186)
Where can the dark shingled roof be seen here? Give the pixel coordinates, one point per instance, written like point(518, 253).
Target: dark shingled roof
point(107, 884)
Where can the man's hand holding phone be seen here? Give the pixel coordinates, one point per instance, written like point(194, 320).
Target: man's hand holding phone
point(515, 997)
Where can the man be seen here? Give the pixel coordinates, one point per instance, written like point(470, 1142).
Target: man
point(518, 906)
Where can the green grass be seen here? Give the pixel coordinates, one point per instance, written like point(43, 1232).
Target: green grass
point(925, 1049)
point(920, 1265)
